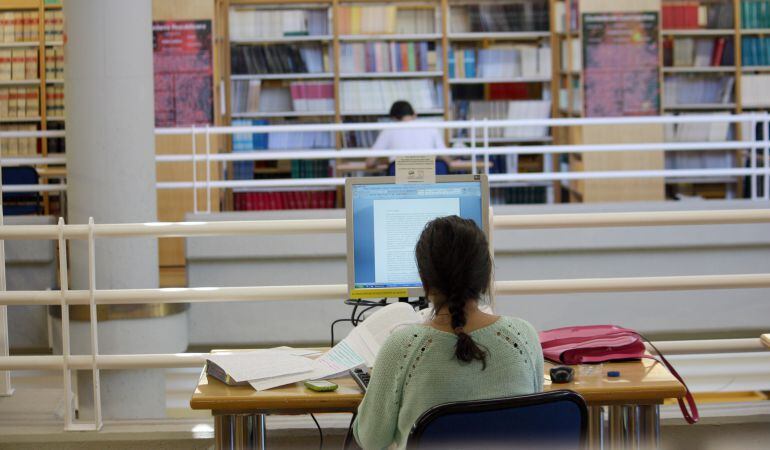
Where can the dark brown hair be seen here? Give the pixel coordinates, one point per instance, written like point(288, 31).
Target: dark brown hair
point(453, 260)
point(401, 109)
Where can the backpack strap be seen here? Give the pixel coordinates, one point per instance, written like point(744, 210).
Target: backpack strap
point(691, 417)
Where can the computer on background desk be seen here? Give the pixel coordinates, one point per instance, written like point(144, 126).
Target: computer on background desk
point(385, 219)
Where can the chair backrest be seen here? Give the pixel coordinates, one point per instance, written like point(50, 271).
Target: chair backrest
point(552, 420)
point(18, 203)
point(442, 168)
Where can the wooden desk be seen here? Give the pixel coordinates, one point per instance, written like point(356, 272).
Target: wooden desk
point(457, 165)
point(766, 339)
point(632, 400)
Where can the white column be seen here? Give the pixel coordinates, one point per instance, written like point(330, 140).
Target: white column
point(111, 177)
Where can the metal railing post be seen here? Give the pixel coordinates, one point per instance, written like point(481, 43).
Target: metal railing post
point(194, 170)
point(93, 319)
point(766, 157)
point(208, 170)
point(485, 132)
point(69, 412)
point(5, 377)
point(753, 159)
point(474, 169)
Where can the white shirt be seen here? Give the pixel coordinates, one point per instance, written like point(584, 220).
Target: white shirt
point(408, 139)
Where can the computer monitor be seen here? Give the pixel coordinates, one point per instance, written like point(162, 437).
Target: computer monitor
point(384, 221)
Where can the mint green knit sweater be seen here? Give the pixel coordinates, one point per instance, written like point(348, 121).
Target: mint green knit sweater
point(416, 369)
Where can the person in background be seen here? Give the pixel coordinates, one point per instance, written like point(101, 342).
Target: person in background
point(405, 139)
point(460, 353)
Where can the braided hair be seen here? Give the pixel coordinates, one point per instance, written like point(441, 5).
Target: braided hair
point(453, 259)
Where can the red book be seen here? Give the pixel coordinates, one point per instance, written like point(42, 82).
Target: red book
point(719, 49)
point(692, 15)
point(404, 57)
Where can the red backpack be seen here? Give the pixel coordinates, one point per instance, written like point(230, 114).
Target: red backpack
point(600, 343)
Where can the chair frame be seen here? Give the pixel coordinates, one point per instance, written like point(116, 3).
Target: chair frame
point(470, 406)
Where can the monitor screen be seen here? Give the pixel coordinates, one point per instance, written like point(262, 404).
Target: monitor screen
point(385, 221)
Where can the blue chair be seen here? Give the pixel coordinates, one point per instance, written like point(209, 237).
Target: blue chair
point(552, 420)
point(20, 203)
point(442, 168)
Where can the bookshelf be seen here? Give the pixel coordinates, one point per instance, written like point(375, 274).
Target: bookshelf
point(29, 101)
point(697, 77)
point(376, 52)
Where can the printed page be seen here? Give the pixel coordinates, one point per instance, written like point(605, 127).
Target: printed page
point(244, 366)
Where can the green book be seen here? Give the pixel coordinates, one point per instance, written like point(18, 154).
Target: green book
point(411, 57)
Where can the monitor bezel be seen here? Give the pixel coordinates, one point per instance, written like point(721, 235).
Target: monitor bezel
point(350, 182)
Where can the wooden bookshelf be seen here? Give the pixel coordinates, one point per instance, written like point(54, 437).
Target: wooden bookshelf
point(570, 74)
point(40, 83)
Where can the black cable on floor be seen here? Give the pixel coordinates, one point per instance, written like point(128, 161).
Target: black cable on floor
point(320, 432)
point(349, 435)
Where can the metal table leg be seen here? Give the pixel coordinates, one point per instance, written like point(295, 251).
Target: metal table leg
point(649, 426)
point(239, 431)
point(595, 427)
point(617, 427)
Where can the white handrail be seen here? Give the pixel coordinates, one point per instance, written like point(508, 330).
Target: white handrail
point(339, 291)
point(176, 360)
point(93, 296)
point(260, 227)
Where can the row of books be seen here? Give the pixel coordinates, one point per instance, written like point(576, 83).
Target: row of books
point(692, 14)
point(250, 96)
point(755, 13)
point(518, 195)
point(755, 90)
point(560, 10)
point(700, 159)
point(701, 52)
point(54, 26)
point(506, 110)
point(576, 49)
point(755, 51)
point(302, 168)
point(507, 17)
point(19, 102)
point(13, 147)
point(19, 26)
point(697, 132)
point(376, 57)
point(247, 142)
point(376, 96)
point(252, 24)
point(261, 201)
point(385, 19)
point(312, 95)
point(18, 64)
point(501, 62)
point(279, 58)
point(54, 101)
point(698, 89)
point(294, 140)
point(56, 144)
point(54, 63)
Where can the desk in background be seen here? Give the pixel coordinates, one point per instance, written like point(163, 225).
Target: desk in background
point(632, 400)
point(457, 165)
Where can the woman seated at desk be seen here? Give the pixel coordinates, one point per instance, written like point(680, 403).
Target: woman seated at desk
point(407, 139)
point(460, 354)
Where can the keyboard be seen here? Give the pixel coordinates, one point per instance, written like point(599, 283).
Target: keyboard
point(361, 378)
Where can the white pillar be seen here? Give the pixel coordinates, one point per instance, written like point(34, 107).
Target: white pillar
point(111, 177)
